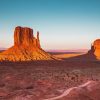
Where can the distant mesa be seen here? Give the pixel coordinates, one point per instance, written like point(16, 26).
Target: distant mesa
point(26, 47)
point(95, 49)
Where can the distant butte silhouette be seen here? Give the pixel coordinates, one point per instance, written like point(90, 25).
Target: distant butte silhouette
point(95, 49)
point(26, 47)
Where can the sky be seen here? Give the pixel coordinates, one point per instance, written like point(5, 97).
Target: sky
point(63, 24)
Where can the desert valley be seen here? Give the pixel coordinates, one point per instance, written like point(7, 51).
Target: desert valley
point(27, 72)
point(49, 49)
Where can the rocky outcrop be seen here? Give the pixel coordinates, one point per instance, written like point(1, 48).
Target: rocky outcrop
point(96, 46)
point(24, 37)
point(26, 47)
point(95, 49)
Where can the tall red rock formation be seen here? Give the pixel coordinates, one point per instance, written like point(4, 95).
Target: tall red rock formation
point(24, 37)
point(26, 47)
point(38, 40)
point(95, 49)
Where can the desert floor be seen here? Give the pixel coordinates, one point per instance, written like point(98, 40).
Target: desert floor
point(45, 79)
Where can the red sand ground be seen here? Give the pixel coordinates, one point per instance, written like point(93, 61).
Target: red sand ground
point(39, 80)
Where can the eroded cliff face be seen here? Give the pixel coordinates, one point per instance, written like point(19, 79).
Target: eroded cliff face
point(26, 47)
point(95, 49)
point(24, 37)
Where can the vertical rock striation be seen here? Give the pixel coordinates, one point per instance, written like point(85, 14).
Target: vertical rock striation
point(24, 37)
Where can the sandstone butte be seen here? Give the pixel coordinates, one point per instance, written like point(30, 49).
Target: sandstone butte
point(26, 47)
point(95, 49)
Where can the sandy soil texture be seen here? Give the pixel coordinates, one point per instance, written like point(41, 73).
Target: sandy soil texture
point(40, 80)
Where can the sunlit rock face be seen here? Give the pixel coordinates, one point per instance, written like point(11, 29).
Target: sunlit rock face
point(26, 47)
point(24, 37)
point(95, 49)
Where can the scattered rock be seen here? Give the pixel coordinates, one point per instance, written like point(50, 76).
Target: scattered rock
point(87, 91)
